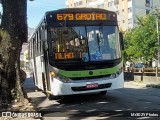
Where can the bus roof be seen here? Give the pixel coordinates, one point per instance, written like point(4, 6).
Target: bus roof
point(79, 10)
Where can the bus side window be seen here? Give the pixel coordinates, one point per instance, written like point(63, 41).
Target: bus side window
point(34, 46)
point(37, 44)
point(29, 47)
point(31, 44)
point(39, 40)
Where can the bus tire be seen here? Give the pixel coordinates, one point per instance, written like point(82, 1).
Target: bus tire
point(43, 82)
point(103, 93)
point(50, 96)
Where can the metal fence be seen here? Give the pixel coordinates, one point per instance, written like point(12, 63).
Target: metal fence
point(131, 72)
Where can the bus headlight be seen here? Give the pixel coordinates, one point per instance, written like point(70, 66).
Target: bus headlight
point(63, 79)
point(114, 75)
point(52, 74)
point(119, 71)
point(59, 77)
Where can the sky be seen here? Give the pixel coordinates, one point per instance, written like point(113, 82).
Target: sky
point(37, 8)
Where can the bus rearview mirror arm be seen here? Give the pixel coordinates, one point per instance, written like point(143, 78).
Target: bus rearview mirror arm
point(43, 39)
point(121, 40)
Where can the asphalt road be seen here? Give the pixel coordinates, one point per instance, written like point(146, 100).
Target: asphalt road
point(116, 104)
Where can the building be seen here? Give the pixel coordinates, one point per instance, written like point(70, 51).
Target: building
point(24, 56)
point(127, 10)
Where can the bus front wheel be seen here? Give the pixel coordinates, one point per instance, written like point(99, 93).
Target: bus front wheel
point(50, 96)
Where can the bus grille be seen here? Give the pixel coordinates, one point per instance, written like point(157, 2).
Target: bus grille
point(83, 88)
point(90, 77)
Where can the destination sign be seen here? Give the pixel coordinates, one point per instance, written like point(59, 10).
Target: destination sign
point(82, 16)
point(68, 55)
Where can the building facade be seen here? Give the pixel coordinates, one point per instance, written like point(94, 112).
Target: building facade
point(127, 10)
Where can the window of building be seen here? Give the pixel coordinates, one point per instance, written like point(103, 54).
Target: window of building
point(75, 4)
point(147, 1)
point(88, 1)
point(109, 4)
point(130, 21)
point(122, 10)
point(116, 2)
point(123, 21)
point(100, 6)
point(129, 10)
point(80, 3)
point(147, 11)
point(117, 12)
point(147, 5)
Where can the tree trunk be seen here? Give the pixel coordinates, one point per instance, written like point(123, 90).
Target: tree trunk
point(13, 34)
point(19, 91)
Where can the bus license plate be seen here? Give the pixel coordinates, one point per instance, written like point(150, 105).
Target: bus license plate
point(94, 85)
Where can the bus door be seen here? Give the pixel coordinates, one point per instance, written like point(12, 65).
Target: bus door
point(45, 68)
point(39, 65)
point(44, 61)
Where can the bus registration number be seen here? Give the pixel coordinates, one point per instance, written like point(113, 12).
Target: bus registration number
point(94, 85)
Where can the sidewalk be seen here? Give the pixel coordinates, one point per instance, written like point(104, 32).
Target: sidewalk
point(137, 83)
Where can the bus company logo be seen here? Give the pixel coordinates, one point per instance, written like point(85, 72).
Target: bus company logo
point(91, 72)
point(6, 114)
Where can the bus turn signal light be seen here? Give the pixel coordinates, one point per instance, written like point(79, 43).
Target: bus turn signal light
point(52, 74)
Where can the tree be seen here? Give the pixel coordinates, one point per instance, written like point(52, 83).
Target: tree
point(13, 34)
point(143, 39)
point(127, 40)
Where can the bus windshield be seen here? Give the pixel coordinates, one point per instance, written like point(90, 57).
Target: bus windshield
point(85, 43)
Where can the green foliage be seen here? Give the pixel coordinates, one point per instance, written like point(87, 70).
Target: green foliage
point(5, 43)
point(22, 64)
point(127, 39)
point(27, 56)
point(141, 41)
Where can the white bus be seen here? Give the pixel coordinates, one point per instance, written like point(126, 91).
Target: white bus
point(77, 51)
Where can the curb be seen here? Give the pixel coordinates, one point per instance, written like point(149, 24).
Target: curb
point(153, 85)
point(145, 84)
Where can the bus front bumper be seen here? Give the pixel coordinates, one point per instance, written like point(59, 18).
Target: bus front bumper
point(59, 88)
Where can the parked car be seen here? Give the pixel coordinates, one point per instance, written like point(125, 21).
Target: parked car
point(139, 65)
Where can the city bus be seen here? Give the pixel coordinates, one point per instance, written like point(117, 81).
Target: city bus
point(77, 51)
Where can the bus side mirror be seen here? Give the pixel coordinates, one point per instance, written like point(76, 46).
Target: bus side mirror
point(43, 38)
point(121, 40)
point(43, 35)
